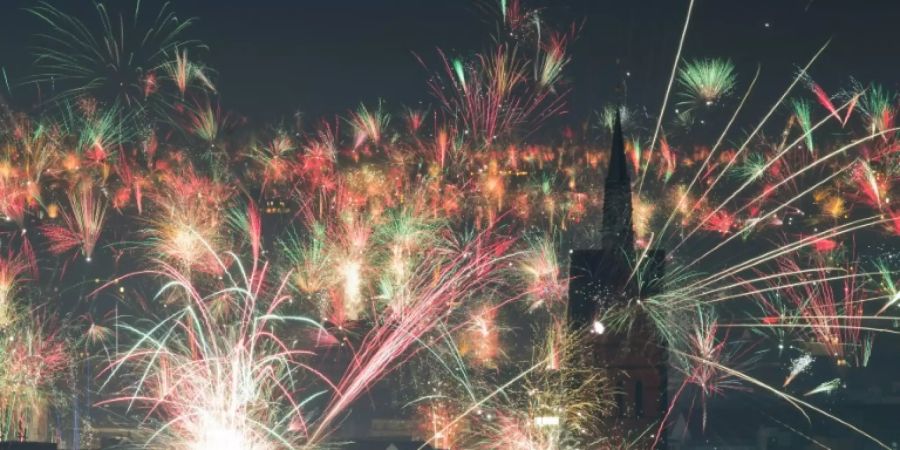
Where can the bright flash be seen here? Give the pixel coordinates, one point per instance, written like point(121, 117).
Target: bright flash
point(546, 421)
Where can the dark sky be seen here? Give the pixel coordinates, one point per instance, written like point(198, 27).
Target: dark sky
point(274, 57)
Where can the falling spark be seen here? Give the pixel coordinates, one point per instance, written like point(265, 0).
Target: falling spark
point(825, 388)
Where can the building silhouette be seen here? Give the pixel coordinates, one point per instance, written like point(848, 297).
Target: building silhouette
point(611, 278)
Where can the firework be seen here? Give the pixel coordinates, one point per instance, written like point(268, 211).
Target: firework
point(542, 273)
point(548, 405)
point(877, 105)
point(13, 269)
point(798, 365)
point(190, 220)
point(551, 62)
point(82, 226)
point(824, 99)
point(834, 318)
point(445, 280)
point(115, 59)
point(207, 121)
point(802, 114)
point(274, 158)
point(608, 116)
point(35, 357)
point(887, 284)
point(368, 125)
point(481, 338)
point(404, 235)
point(705, 82)
point(310, 267)
point(183, 73)
point(704, 346)
point(491, 96)
point(869, 186)
point(227, 383)
point(825, 388)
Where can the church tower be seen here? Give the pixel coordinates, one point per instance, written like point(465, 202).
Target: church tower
point(617, 231)
point(605, 278)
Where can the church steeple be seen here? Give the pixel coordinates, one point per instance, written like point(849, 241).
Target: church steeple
point(617, 228)
point(606, 278)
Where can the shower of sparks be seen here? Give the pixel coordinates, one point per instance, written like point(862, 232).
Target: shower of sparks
point(798, 365)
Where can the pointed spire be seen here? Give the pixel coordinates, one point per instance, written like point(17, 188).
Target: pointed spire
point(618, 164)
point(617, 209)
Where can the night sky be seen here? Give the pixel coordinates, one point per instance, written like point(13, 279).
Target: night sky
point(276, 57)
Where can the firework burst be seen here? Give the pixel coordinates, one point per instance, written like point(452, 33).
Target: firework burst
point(117, 59)
point(82, 226)
point(705, 82)
point(208, 380)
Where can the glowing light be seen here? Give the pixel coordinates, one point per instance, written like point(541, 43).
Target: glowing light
point(215, 435)
point(351, 276)
point(546, 421)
